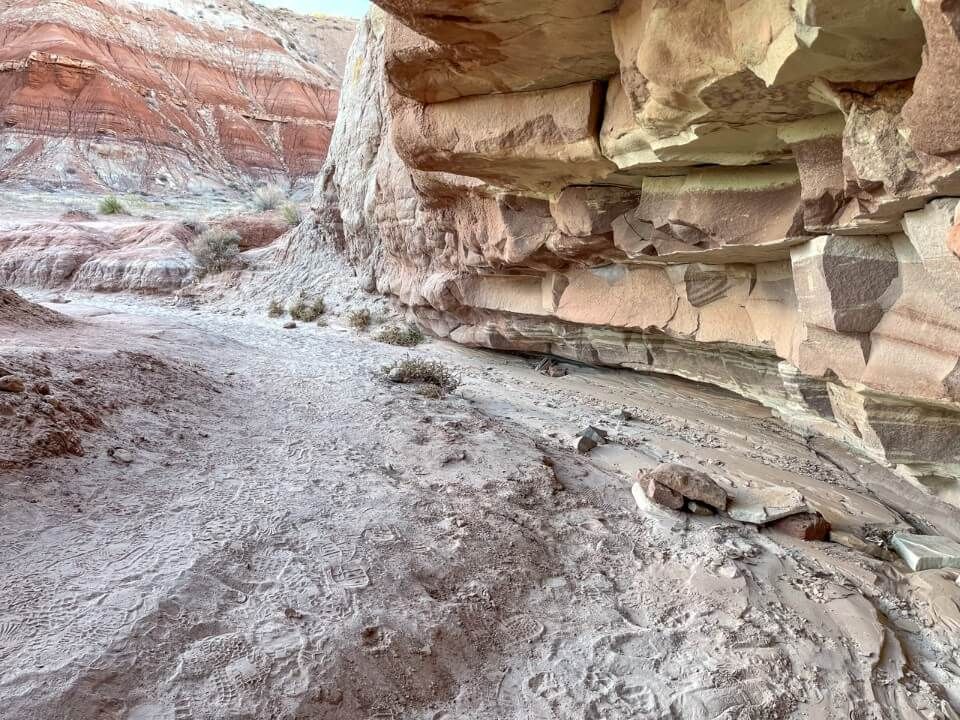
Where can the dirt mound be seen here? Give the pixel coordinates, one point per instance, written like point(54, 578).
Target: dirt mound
point(63, 395)
point(14, 310)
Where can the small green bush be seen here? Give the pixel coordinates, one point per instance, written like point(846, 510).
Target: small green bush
point(269, 197)
point(403, 336)
point(291, 214)
point(215, 250)
point(276, 309)
point(428, 372)
point(111, 205)
point(359, 319)
point(308, 312)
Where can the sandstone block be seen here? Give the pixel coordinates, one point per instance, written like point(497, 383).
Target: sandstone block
point(926, 552)
point(537, 141)
point(583, 210)
point(845, 283)
point(689, 483)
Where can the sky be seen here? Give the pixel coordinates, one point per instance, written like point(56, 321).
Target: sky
point(350, 8)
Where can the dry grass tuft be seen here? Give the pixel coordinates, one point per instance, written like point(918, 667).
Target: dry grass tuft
point(291, 214)
point(428, 372)
point(269, 197)
point(215, 250)
point(308, 311)
point(402, 336)
point(359, 319)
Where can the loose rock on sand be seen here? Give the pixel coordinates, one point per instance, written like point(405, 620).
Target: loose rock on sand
point(691, 484)
point(11, 384)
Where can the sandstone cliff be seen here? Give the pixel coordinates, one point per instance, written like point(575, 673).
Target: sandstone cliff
point(758, 195)
point(165, 97)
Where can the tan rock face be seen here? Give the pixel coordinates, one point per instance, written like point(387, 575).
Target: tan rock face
point(453, 49)
point(759, 195)
point(537, 141)
point(132, 97)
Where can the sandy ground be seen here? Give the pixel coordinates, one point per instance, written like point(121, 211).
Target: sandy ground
point(295, 537)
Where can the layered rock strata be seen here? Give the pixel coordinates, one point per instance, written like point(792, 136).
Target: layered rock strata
point(760, 195)
point(135, 256)
point(132, 96)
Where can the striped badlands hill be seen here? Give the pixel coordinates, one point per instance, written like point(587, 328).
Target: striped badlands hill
point(165, 97)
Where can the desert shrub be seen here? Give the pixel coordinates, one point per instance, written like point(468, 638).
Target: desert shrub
point(276, 309)
point(195, 225)
point(111, 205)
point(291, 214)
point(359, 319)
point(269, 197)
point(428, 372)
point(215, 250)
point(308, 311)
point(430, 391)
point(404, 336)
point(77, 215)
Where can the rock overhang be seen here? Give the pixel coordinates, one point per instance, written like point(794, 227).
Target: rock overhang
point(769, 210)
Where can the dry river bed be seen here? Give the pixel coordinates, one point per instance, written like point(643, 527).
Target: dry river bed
point(292, 536)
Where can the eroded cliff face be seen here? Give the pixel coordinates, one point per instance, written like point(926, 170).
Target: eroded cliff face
point(761, 195)
point(165, 97)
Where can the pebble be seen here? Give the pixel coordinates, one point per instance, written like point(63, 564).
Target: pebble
point(590, 438)
point(122, 456)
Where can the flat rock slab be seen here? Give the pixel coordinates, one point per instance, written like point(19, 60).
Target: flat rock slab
point(759, 506)
point(926, 552)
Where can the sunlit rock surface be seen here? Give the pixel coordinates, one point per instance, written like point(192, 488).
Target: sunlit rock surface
point(765, 201)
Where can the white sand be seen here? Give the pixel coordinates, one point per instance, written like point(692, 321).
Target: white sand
point(313, 542)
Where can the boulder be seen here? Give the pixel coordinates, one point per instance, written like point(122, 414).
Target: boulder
point(691, 484)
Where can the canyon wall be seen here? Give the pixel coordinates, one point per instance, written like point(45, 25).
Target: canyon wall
point(761, 195)
point(165, 97)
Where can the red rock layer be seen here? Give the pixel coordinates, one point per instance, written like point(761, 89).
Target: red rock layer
point(130, 97)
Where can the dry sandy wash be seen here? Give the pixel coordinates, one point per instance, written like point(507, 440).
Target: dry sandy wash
point(260, 526)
